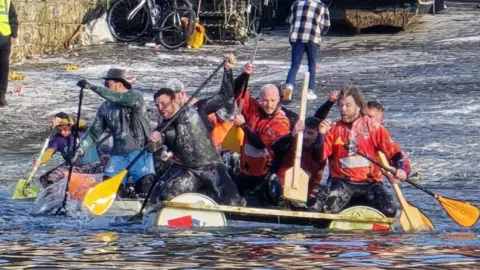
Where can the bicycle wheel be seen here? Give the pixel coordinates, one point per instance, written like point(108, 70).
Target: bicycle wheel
point(176, 27)
point(125, 30)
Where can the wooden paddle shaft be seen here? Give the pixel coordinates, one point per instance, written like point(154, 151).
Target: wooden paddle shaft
point(274, 212)
point(397, 190)
point(40, 155)
point(299, 146)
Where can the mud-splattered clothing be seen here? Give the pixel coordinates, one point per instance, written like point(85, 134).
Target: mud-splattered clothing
point(124, 115)
point(345, 194)
point(222, 101)
point(201, 168)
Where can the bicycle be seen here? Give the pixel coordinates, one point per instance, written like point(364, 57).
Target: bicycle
point(172, 21)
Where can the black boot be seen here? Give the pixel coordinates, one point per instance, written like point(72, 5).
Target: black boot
point(3, 102)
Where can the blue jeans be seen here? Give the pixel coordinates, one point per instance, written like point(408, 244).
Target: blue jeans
point(141, 168)
point(298, 49)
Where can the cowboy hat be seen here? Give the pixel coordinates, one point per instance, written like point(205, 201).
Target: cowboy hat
point(119, 75)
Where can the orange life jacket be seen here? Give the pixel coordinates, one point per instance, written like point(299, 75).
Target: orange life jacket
point(364, 135)
point(253, 161)
point(220, 130)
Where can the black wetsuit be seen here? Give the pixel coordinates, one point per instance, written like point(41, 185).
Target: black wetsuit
point(200, 167)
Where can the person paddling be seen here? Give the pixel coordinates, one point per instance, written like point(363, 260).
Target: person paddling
point(351, 175)
point(124, 115)
point(62, 142)
point(199, 168)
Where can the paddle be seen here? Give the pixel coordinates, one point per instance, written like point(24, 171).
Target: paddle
point(100, 197)
point(23, 189)
point(69, 160)
point(411, 219)
point(139, 215)
point(234, 138)
point(296, 179)
point(463, 213)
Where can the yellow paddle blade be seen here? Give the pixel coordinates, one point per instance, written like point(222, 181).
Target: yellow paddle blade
point(233, 140)
point(463, 213)
point(413, 219)
point(21, 192)
point(99, 198)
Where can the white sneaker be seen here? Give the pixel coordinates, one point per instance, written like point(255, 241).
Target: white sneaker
point(311, 95)
point(287, 94)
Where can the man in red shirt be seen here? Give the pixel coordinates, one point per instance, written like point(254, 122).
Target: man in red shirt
point(351, 175)
point(263, 123)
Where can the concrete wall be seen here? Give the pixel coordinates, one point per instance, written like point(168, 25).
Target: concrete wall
point(45, 25)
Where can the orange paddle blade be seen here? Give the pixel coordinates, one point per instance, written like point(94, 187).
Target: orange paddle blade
point(463, 213)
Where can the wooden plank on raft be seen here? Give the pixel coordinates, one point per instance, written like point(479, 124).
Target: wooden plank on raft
point(274, 212)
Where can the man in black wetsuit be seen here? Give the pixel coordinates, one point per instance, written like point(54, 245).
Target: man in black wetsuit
point(199, 167)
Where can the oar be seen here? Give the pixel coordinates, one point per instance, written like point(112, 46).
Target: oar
point(411, 219)
point(139, 215)
point(234, 138)
point(23, 189)
point(62, 209)
point(275, 212)
point(296, 179)
point(100, 197)
point(463, 213)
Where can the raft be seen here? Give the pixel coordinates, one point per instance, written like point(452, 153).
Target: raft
point(197, 210)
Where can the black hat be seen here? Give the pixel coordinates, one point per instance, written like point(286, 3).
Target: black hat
point(119, 75)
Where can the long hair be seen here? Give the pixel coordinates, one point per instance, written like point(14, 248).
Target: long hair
point(356, 94)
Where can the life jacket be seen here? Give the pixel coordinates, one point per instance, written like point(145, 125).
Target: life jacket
point(344, 140)
point(5, 28)
point(253, 161)
point(220, 130)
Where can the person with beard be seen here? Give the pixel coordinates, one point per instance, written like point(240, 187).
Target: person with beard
point(199, 168)
point(284, 150)
point(351, 175)
point(263, 122)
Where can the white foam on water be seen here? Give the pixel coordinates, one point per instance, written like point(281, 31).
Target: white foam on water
point(460, 39)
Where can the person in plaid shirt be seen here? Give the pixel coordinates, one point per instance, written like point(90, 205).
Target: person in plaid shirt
point(309, 19)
